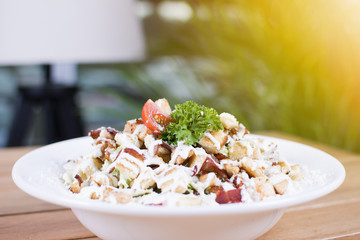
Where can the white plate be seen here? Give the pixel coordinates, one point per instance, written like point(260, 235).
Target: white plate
point(39, 172)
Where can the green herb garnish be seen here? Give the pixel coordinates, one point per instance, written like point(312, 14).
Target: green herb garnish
point(142, 194)
point(116, 172)
point(190, 123)
point(207, 190)
point(129, 181)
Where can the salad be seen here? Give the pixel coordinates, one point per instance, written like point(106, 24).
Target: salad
point(183, 157)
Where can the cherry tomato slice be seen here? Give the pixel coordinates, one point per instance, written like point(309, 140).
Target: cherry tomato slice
point(154, 118)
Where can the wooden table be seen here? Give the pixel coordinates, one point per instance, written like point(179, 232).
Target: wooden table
point(335, 216)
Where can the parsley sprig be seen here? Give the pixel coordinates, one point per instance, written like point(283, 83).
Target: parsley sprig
point(190, 121)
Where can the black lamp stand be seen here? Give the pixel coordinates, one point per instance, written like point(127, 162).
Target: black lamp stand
point(62, 117)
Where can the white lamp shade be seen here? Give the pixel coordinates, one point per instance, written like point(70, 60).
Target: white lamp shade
point(75, 31)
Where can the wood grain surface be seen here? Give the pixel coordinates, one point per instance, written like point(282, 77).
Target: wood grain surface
point(335, 216)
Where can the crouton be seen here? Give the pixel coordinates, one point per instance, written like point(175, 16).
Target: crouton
point(250, 167)
point(237, 151)
point(120, 197)
point(94, 195)
point(128, 172)
point(75, 187)
point(208, 179)
point(142, 131)
point(164, 153)
point(180, 158)
point(129, 166)
point(197, 160)
point(147, 183)
point(231, 169)
point(295, 172)
point(281, 187)
point(264, 187)
point(169, 183)
point(188, 201)
point(126, 138)
point(130, 126)
point(137, 128)
point(103, 179)
point(158, 148)
point(145, 180)
point(181, 153)
point(229, 121)
point(285, 168)
point(104, 133)
point(173, 178)
point(256, 153)
point(212, 142)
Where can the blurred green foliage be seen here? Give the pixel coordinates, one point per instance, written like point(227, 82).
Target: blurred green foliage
point(276, 65)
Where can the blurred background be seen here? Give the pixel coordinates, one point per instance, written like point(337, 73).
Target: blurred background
point(289, 66)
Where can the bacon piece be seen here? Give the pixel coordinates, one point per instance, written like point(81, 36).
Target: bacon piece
point(118, 155)
point(194, 171)
point(154, 204)
point(163, 150)
point(237, 181)
point(211, 165)
point(134, 153)
point(220, 156)
point(214, 159)
point(231, 196)
point(94, 133)
point(154, 166)
point(139, 121)
point(105, 149)
point(112, 169)
point(77, 177)
point(167, 146)
point(108, 133)
point(112, 131)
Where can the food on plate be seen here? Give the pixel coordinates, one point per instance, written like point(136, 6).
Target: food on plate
point(183, 157)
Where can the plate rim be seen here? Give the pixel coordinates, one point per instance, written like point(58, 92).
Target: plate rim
point(141, 210)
